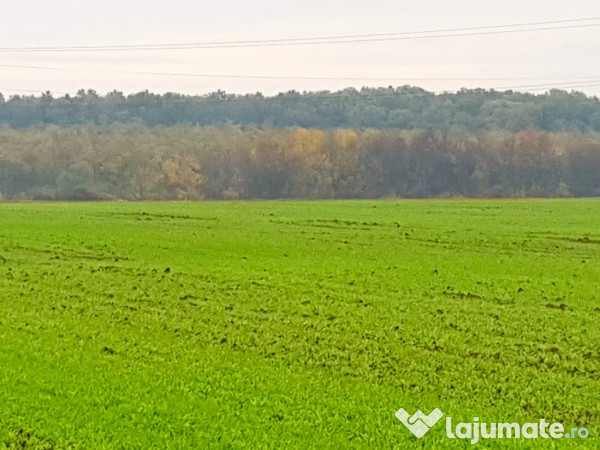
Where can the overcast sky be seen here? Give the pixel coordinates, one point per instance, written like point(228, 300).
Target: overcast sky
point(566, 58)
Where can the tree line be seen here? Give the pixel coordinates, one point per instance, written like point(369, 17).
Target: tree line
point(137, 162)
point(406, 107)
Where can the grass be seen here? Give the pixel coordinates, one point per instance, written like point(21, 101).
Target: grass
point(295, 324)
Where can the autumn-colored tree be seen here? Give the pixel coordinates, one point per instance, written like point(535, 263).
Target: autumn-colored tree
point(137, 162)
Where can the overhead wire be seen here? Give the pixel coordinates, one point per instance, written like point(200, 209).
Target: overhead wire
point(581, 81)
point(324, 40)
point(293, 96)
point(294, 77)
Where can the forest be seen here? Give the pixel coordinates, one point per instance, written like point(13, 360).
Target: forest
point(187, 162)
point(368, 143)
point(406, 108)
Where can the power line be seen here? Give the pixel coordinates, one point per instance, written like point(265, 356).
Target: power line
point(293, 77)
point(360, 94)
point(382, 39)
point(325, 40)
point(572, 86)
point(310, 97)
point(33, 91)
point(554, 85)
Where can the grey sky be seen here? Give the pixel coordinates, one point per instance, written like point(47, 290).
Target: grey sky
point(535, 58)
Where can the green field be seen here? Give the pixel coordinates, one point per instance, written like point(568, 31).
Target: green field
point(295, 324)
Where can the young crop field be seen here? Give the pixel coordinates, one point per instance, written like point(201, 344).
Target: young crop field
point(296, 324)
